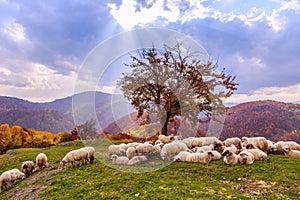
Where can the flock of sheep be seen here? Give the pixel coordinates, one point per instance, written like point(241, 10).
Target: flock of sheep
point(202, 149)
point(169, 148)
point(83, 155)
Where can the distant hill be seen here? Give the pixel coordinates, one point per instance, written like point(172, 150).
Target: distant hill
point(273, 120)
point(55, 116)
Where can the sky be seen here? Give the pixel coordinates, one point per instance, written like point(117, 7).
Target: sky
point(43, 43)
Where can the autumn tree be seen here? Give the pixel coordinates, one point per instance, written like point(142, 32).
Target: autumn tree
point(174, 81)
point(5, 137)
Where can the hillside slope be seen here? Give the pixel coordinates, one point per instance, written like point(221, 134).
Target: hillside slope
point(215, 180)
point(273, 120)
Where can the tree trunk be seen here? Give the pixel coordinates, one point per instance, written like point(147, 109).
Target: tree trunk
point(164, 130)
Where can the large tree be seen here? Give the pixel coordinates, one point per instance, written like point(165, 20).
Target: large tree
point(174, 81)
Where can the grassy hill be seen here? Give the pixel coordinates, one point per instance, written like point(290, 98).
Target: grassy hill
point(277, 178)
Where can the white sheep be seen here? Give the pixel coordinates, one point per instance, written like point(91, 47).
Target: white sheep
point(166, 138)
point(9, 177)
point(181, 156)
point(232, 148)
point(189, 142)
point(291, 144)
point(130, 152)
point(41, 160)
point(290, 152)
point(171, 149)
point(204, 157)
point(116, 149)
point(145, 148)
point(259, 142)
point(119, 160)
point(91, 151)
point(133, 144)
point(230, 158)
point(27, 167)
point(257, 153)
point(246, 157)
point(73, 156)
point(136, 160)
point(235, 141)
point(216, 155)
point(203, 148)
point(271, 147)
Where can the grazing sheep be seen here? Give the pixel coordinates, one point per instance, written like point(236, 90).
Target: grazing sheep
point(166, 139)
point(136, 160)
point(257, 153)
point(91, 151)
point(41, 160)
point(291, 144)
point(290, 152)
point(230, 158)
point(119, 160)
point(232, 148)
point(234, 140)
point(27, 167)
point(130, 152)
point(116, 149)
point(73, 156)
point(259, 142)
point(246, 157)
point(203, 148)
point(9, 177)
point(171, 149)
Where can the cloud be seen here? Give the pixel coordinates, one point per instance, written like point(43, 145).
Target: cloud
point(285, 94)
point(278, 22)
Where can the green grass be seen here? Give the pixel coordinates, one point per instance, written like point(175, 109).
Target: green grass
point(278, 178)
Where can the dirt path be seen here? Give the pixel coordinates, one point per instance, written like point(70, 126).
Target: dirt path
point(30, 190)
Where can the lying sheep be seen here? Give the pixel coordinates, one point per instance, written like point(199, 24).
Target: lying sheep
point(246, 157)
point(271, 147)
point(259, 142)
point(204, 157)
point(290, 152)
point(117, 149)
point(166, 139)
point(73, 156)
point(232, 148)
point(257, 153)
point(133, 144)
point(137, 160)
point(9, 177)
point(233, 141)
point(91, 151)
point(216, 155)
point(119, 160)
point(203, 148)
point(27, 167)
point(171, 149)
point(181, 156)
point(230, 158)
point(191, 142)
point(41, 160)
point(291, 144)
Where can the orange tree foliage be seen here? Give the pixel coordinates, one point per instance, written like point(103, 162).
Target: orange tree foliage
point(19, 137)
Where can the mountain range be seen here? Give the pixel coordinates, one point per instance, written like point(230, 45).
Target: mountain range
point(271, 119)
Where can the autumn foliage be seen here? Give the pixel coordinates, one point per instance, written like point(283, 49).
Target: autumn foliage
point(19, 137)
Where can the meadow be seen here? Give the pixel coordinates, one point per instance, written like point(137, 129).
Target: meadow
point(277, 178)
